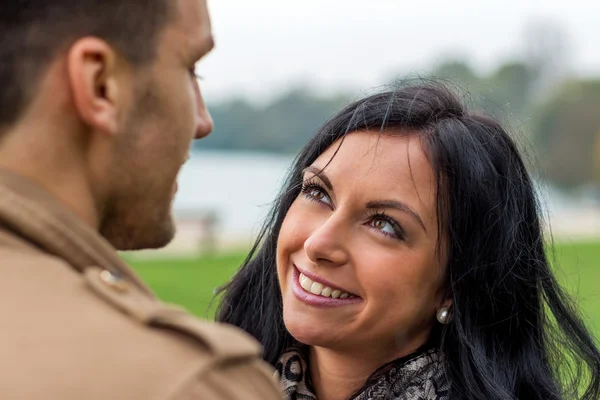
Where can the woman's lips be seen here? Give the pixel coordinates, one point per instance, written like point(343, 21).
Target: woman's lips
point(314, 278)
point(320, 300)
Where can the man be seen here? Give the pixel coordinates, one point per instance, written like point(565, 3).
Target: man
point(98, 108)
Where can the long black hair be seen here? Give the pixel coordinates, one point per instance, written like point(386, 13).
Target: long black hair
point(515, 334)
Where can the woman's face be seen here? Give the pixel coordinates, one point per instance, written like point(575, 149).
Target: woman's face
point(356, 255)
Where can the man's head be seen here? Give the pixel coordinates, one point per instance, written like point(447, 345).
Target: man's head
point(111, 84)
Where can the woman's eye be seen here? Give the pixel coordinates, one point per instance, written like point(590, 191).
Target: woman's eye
point(317, 194)
point(387, 226)
point(384, 226)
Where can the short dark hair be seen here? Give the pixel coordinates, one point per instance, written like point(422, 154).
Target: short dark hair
point(33, 31)
point(514, 332)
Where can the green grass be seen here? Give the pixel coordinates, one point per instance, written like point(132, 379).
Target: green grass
point(578, 269)
point(191, 282)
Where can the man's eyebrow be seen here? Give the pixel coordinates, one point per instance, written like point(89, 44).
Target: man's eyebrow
point(397, 205)
point(319, 172)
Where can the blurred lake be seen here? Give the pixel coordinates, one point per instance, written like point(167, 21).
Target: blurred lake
point(239, 188)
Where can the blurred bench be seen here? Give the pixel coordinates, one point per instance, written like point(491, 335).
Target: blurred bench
point(206, 224)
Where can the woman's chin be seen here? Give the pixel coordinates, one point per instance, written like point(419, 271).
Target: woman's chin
point(312, 334)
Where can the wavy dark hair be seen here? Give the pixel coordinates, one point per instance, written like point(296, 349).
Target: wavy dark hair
point(515, 333)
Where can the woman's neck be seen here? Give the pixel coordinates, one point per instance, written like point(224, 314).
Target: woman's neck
point(336, 375)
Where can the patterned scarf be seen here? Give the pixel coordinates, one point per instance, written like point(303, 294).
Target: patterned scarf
point(419, 376)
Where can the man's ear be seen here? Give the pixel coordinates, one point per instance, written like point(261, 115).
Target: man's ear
point(97, 92)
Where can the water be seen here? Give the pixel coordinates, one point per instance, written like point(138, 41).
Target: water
point(238, 187)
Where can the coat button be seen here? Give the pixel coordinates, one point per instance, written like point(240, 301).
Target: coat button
point(114, 281)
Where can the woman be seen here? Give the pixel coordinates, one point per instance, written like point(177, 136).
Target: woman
point(404, 259)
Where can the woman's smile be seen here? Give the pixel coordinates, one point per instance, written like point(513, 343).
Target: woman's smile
point(316, 292)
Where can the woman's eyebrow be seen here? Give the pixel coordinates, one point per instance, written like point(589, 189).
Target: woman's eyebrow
point(318, 172)
point(397, 205)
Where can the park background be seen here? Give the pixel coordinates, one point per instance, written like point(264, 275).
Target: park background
point(281, 68)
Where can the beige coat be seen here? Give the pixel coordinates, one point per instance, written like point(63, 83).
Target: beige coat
point(78, 324)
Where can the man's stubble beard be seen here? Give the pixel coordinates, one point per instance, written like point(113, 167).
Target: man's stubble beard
point(138, 215)
point(135, 227)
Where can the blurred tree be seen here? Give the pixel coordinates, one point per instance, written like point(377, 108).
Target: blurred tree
point(505, 93)
point(235, 126)
point(566, 133)
point(512, 85)
point(564, 126)
point(459, 72)
point(547, 52)
point(285, 125)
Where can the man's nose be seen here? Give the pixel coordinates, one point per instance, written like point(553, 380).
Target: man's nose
point(205, 122)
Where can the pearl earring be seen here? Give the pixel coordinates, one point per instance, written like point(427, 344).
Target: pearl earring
point(443, 315)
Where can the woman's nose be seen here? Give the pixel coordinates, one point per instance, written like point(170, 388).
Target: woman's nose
point(327, 243)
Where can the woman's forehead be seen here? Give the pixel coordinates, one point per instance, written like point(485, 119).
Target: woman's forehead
point(369, 153)
point(381, 167)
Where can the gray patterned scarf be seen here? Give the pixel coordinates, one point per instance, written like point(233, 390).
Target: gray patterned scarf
point(419, 376)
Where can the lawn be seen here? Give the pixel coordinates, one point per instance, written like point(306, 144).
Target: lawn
point(191, 282)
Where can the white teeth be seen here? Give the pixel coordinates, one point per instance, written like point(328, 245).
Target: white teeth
point(320, 289)
point(305, 283)
point(316, 288)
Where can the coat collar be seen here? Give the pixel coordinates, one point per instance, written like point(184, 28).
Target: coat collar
point(38, 217)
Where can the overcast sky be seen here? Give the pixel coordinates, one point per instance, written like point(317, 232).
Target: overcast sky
point(264, 47)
